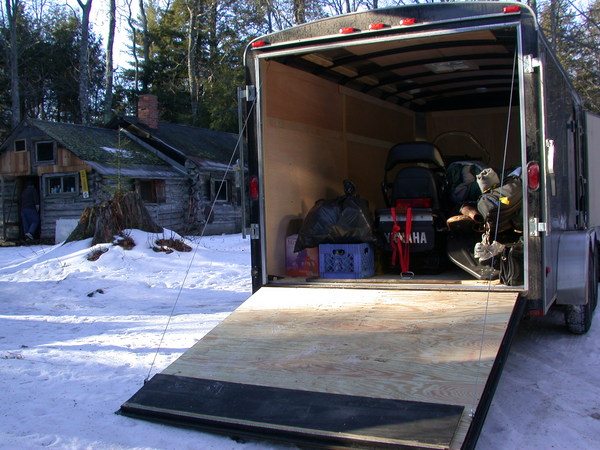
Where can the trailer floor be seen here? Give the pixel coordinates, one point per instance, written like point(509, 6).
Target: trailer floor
point(407, 367)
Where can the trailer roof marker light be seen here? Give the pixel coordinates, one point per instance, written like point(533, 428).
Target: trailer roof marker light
point(259, 44)
point(533, 176)
point(348, 30)
point(377, 26)
point(408, 21)
point(511, 9)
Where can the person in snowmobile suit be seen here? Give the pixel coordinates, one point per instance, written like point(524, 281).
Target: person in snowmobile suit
point(30, 206)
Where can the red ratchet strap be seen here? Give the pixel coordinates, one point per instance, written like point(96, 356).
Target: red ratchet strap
point(401, 250)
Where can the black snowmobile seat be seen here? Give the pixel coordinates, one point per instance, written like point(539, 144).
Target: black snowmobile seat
point(416, 183)
point(422, 178)
point(413, 153)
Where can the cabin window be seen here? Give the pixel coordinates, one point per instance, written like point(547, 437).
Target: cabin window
point(20, 145)
point(44, 151)
point(62, 184)
point(219, 190)
point(152, 191)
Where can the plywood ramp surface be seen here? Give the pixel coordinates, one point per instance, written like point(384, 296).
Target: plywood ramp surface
point(435, 347)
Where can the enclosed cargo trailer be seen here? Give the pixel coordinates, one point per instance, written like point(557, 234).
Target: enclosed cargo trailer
point(389, 359)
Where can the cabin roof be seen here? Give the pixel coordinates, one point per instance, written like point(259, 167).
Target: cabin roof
point(106, 150)
point(95, 144)
point(193, 142)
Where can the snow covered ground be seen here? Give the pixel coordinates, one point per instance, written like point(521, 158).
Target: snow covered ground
point(78, 338)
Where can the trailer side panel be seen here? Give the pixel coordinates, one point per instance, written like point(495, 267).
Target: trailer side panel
point(593, 155)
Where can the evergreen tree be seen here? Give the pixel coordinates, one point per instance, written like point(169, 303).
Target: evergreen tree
point(189, 53)
point(587, 79)
point(575, 38)
point(49, 38)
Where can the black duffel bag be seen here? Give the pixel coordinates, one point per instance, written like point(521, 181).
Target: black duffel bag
point(501, 207)
point(512, 265)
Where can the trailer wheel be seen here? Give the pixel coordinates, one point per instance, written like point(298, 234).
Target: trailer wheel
point(579, 317)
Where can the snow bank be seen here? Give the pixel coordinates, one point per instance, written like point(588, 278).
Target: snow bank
point(78, 338)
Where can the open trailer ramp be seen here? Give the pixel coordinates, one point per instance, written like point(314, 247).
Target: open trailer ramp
point(346, 366)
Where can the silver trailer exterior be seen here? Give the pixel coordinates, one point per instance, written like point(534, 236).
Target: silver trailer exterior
point(384, 361)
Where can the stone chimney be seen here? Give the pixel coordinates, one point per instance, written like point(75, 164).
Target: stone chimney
point(148, 110)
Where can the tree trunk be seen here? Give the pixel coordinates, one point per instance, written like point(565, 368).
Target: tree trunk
point(194, 11)
point(299, 11)
point(12, 12)
point(84, 61)
point(134, 47)
point(145, 47)
point(105, 221)
point(108, 76)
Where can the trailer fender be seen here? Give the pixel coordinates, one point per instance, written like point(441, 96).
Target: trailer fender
point(574, 258)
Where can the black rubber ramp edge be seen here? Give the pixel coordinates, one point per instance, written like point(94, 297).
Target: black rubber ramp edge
point(265, 411)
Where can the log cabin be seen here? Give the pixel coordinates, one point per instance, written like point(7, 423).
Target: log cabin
point(75, 166)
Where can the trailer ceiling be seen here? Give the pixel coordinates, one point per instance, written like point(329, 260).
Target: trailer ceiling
point(434, 73)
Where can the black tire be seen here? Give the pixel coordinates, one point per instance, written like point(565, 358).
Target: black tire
point(578, 318)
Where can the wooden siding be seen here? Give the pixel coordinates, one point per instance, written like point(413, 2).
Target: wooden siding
point(15, 163)
point(20, 163)
point(9, 209)
point(63, 206)
point(226, 216)
point(227, 219)
point(171, 214)
point(65, 161)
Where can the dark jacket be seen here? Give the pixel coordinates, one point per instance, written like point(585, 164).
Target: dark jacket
point(30, 198)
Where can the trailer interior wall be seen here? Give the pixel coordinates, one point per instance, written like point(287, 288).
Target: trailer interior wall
point(316, 135)
point(489, 126)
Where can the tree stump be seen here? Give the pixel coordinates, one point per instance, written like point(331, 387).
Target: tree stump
point(105, 221)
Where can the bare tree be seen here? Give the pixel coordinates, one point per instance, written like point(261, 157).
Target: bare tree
point(134, 38)
point(109, 71)
point(145, 45)
point(193, 7)
point(299, 11)
point(84, 61)
point(13, 9)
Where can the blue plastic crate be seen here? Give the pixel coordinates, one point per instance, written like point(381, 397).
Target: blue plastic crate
point(346, 261)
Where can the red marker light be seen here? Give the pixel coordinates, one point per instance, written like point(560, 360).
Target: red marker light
point(347, 30)
point(253, 188)
point(533, 176)
point(511, 9)
point(258, 44)
point(376, 26)
point(410, 21)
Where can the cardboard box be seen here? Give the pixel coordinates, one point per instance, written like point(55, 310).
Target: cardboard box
point(302, 264)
